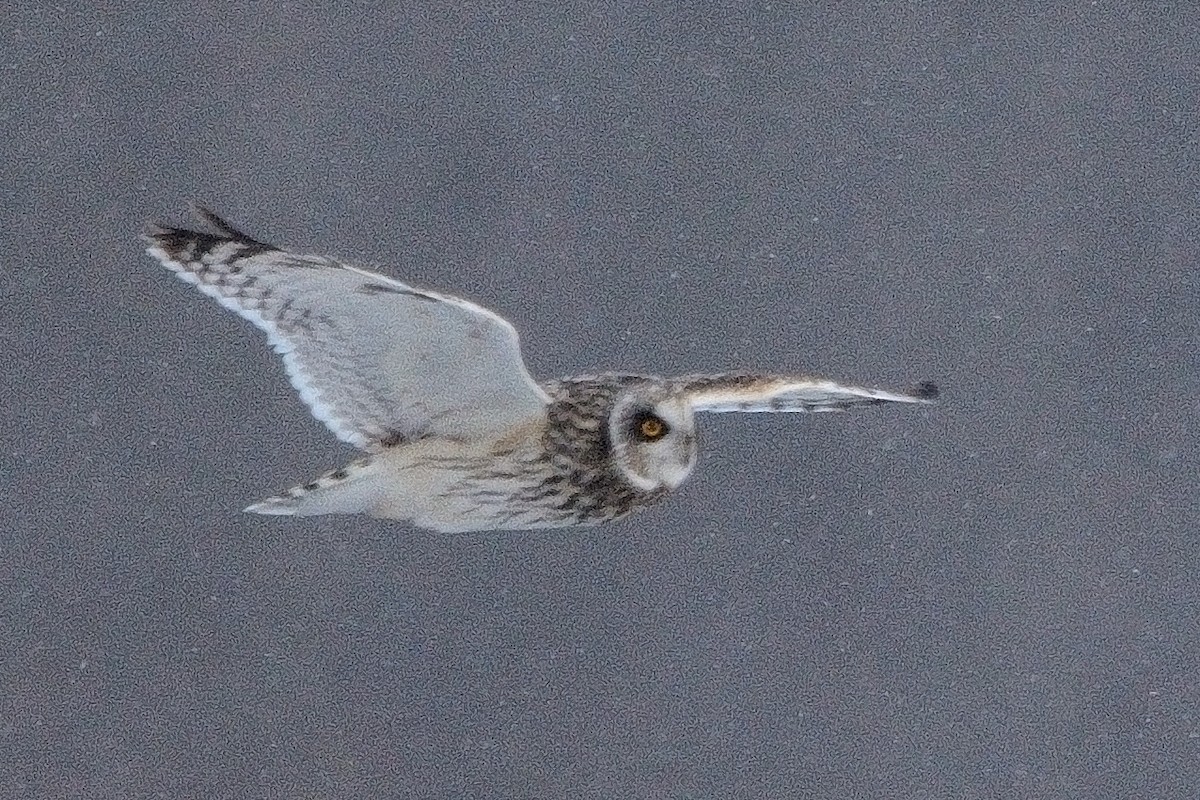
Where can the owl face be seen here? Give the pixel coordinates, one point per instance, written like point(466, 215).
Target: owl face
point(653, 437)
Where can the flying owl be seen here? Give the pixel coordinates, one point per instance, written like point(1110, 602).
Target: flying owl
point(458, 436)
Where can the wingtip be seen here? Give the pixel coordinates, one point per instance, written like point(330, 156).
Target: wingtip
point(927, 391)
point(149, 237)
point(167, 238)
point(154, 229)
point(212, 219)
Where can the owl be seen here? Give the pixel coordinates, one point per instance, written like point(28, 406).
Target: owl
point(456, 434)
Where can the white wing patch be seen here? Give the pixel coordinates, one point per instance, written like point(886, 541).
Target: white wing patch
point(376, 360)
point(776, 393)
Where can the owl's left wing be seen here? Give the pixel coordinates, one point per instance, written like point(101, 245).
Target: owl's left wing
point(376, 360)
point(767, 393)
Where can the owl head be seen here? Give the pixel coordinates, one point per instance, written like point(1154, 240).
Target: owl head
point(653, 436)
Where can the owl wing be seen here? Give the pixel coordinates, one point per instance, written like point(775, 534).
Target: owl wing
point(758, 393)
point(376, 360)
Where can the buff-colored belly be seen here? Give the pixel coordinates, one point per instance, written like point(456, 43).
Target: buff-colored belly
point(455, 487)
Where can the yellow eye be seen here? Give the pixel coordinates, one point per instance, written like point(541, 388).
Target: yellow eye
point(650, 428)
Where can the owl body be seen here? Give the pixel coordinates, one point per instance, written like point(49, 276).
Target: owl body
point(560, 469)
point(458, 436)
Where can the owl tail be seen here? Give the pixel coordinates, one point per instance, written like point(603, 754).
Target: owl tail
point(351, 489)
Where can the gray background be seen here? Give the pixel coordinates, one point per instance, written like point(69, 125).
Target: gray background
point(994, 598)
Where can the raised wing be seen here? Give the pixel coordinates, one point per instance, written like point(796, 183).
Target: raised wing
point(376, 360)
point(765, 393)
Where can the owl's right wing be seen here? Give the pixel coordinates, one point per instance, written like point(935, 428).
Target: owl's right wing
point(750, 392)
point(376, 360)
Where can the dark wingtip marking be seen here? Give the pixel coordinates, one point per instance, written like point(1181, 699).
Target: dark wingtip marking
point(173, 240)
point(164, 237)
point(926, 390)
point(221, 225)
